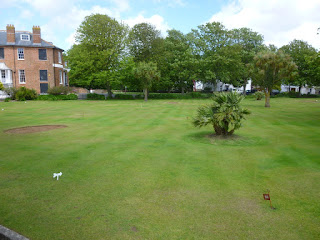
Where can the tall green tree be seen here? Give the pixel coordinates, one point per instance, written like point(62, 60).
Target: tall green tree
point(300, 51)
point(147, 73)
point(179, 63)
point(313, 70)
point(144, 42)
point(95, 58)
point(250, 43)
point(219, 58)
point(271, 68)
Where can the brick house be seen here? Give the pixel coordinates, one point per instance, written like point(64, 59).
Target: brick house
point(29, 61)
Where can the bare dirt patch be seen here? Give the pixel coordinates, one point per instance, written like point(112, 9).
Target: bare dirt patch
point(34, 129)
point(214, 136)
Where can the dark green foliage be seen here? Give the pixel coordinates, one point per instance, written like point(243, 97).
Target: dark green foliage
point(144, 41)
point(95, 96)
point(302, 54)
point(191, 95)
point(7, 99)
point(57, 97)
point(24, 93)
point(11, 91)
point(296, 95)
point(196, 95)
point(258, 95)
point(123, 96)
point(95, 59)
point(59, 90)
point(271, 68)
point(225, 113)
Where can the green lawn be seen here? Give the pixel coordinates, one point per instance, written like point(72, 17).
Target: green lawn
point(136, 170)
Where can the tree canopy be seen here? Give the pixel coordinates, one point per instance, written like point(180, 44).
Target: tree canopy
point(107, 52)
point(270, 69)
point(95, 59)
point(301, 53)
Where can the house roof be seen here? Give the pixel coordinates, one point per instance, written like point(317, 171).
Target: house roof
point(22, 43)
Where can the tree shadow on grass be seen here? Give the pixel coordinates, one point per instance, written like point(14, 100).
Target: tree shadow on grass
point(209, 137)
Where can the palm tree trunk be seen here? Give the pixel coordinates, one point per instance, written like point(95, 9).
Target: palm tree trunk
point(145, 92)
point(267, 98)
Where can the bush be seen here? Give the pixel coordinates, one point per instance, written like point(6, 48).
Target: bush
point(1, 86)
point(224, 114)
point(258, 95)
point(95, 96)
point(190, 95)
point(296, 95)
point(59, 90)
point(57, 97)
point(7, 99)
point(124, 96)
point(11, 91)
point(138, 96)
point(24, 93)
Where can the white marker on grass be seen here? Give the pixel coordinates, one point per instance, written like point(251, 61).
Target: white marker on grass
point(57, 175)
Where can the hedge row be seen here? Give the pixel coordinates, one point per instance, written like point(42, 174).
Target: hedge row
point(295, 95)
point(95, 96)
point(57, 97)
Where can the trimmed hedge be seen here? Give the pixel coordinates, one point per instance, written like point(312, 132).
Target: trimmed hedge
point(124, 97)
point(57, 97)
point(95, 96)
point(295, 95)
point(179, 95)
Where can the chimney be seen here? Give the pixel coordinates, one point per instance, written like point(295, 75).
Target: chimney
point(36, 35)
point(11, 34)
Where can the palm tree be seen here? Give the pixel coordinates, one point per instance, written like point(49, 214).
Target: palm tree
point(225, 113)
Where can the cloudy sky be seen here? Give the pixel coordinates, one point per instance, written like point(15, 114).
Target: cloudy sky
point(280, 21)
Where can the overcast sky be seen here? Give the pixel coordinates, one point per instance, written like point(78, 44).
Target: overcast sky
point(279, 21)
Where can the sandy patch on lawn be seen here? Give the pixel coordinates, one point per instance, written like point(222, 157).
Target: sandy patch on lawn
point(34, 129)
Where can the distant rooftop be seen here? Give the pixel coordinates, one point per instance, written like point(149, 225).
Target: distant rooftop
point(24, 43)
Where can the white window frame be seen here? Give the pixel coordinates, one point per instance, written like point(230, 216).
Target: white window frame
point(3, 74)
point(20, 53)
point(61, 78)
point(22, 76)
point(25, 35)
point(59, 57)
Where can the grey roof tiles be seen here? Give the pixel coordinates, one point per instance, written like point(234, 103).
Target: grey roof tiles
point(23, 43)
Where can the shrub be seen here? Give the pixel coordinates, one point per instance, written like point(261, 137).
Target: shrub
point(70, 96)
point(178, 95)
point(1, 86)
point(59, 90)
point(24, 93)
point(95, 96)
point(225, 113)
point(57, 97)
point(7, 99)
point(124, 96)
point(11, 91)
point(137, 96)
point(296, 95)
point(258, 95)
